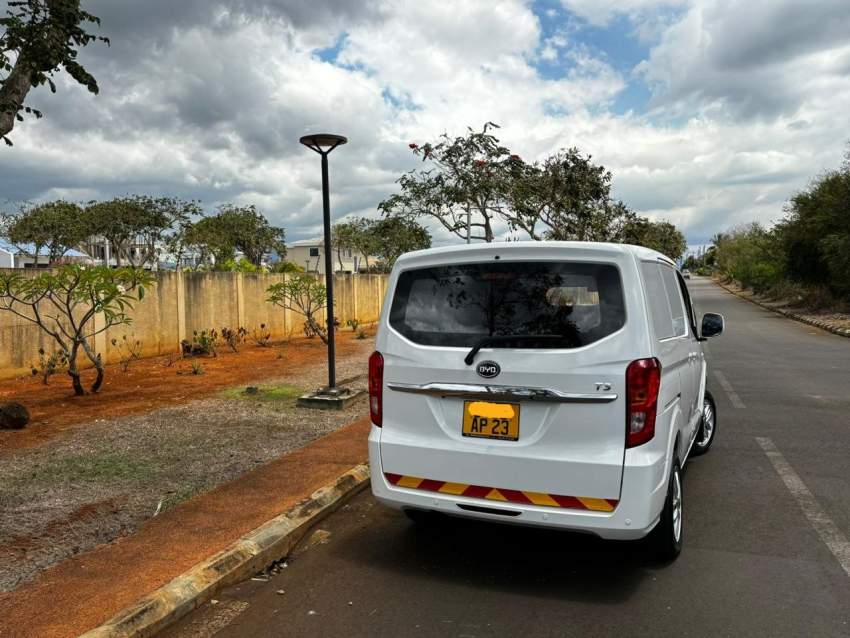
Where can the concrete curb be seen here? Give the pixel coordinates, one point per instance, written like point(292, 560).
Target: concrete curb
point(823, 325)
point(268, 543)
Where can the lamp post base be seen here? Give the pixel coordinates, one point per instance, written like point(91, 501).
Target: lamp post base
point(329, 398)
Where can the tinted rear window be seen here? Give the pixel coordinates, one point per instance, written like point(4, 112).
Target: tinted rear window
point(460, 304)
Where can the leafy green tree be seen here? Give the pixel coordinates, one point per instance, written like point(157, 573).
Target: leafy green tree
point(236, 228)
point(464, 188)
point(64, 303)
point(304, 295)
point(342, 238)
point(751, 255)
point(661, 236)
point(360, 235)
point(398, 235)
point(566, 197)
point(38, 39)
point(138, 227)
point(470, 183)
point(815, 233)
point(56, 226)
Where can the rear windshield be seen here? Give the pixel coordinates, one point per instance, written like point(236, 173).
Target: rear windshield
point(460, 304)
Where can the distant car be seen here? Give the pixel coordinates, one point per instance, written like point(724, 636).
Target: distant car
point(686, 273)
point(555, 384)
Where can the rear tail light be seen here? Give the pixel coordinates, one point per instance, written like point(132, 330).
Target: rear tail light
point(376, 388)
point(643, 379)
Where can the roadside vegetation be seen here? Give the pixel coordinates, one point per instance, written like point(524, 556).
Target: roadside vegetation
point(804, 258)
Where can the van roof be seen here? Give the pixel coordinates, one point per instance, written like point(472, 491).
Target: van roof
point(589, 249)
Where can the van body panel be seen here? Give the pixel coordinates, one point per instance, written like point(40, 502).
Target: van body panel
point(572, 449)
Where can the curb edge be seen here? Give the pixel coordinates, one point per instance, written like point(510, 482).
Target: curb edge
point(270, 542)
point(841, 332)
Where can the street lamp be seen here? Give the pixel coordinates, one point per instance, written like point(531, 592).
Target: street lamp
point(323, 144)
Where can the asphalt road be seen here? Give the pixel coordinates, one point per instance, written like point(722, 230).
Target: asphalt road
point(767, 522)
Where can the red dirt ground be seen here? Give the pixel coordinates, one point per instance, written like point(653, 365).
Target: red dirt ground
point(150, 384)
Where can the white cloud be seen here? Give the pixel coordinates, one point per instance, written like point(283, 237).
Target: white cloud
point(749, 102)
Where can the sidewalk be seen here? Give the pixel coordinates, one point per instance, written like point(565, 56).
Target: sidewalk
point(86, 590)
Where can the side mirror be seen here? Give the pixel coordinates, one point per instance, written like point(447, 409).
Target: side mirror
point(712, 325)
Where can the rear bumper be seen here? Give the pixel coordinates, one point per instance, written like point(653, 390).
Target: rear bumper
point(642, 498)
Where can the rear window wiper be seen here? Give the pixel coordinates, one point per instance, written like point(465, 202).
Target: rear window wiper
point(489, 341)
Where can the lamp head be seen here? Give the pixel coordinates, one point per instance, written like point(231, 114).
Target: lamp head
point(323, 143)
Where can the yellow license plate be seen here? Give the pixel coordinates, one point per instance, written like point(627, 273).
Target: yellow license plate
point(491, 420)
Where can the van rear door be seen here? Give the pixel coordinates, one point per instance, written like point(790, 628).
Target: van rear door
point(541, 409)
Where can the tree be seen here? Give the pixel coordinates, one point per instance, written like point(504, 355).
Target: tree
point(138, 226)
point(472, 182)
point(661, 236)
point(42, 37)
point(64, 303)
point(465, 187)
point(568, 196)
point(398, 236)
point(56, 226)
point(235, 227)
point(361, 236)
point(815, 233)
point(304, 295)
point(342, 238)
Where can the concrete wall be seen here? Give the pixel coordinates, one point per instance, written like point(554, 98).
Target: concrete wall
point(183, 302)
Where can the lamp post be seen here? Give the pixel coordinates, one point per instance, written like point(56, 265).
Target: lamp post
point(323, 144)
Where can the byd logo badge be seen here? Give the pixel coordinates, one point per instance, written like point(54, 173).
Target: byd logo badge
point(488, 369)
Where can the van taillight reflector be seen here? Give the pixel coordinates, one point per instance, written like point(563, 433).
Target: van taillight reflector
point(376, 388)
point(643, 379)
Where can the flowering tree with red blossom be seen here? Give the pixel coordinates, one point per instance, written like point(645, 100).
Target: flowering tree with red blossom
point(464, 187)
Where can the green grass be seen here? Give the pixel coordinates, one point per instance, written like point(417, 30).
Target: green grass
point(279, 394)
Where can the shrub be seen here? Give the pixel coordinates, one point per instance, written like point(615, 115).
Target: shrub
point(353, 324)
point(203, 343)
point(234, 337)
point(48, 365)
point(261, 336)
point(128, 350)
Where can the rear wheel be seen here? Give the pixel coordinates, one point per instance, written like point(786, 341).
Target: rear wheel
point(707, 426)
point(667, 536)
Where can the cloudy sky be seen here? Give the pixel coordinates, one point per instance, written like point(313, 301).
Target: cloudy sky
point(708, 112)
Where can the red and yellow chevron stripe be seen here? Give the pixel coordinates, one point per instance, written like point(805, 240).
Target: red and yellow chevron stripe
point(502, 494)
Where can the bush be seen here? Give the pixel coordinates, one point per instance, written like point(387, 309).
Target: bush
point(128, 350)
point(203, 343)
point(261, 336)
point(234, 337)
point(48, 365)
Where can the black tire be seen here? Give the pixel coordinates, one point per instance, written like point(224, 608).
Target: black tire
point(666, 543)
point(707, 426)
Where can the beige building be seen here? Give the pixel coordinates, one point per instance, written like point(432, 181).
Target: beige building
point(310, 255)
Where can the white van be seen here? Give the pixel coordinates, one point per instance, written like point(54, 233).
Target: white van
point(556, 384)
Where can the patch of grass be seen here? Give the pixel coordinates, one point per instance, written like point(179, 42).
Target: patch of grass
point(269, 394)
point(89, 469)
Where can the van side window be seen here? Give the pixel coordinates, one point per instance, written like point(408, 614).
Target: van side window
point(674, 298)
point(659, 306)
point(689, 306)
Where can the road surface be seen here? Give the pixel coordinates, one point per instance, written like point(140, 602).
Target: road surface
point(767, 522)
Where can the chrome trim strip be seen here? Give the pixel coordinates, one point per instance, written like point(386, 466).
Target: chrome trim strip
point(513, 393)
